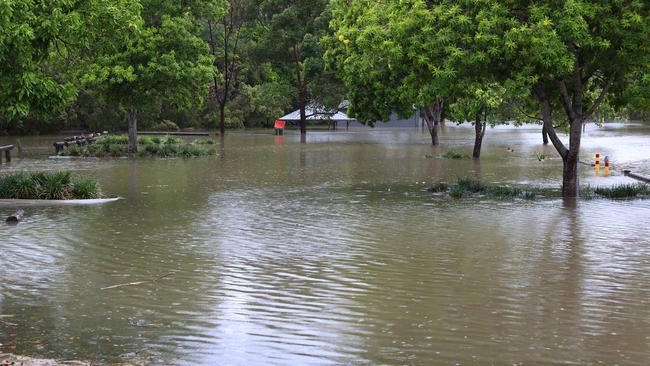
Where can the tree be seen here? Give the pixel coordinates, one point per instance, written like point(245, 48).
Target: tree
point(482, 106)
point(42, 43)
point(577, 53)
point(292, 43)
point(162, 61)
point(224, 36)
point(392, 55)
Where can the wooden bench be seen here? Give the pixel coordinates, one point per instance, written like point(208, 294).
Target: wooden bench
point(7, 152)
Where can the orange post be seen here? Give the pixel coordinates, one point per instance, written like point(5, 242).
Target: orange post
point(606, 166)
point(597, 163)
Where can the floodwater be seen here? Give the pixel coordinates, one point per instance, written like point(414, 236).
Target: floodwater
point(333, 253)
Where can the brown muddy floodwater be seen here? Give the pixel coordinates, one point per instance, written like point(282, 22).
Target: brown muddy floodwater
point(333, 253)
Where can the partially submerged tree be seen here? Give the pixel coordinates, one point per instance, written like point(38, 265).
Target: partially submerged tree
point(291, 41)
point(161, 61)
point(224, 34)
point(392, 55)
point(575, 52)
point(482, 106)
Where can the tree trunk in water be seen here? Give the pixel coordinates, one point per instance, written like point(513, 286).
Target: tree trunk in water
point(303, 118)
point(132, 116)
point(479, 129)
point(222, 118)
point(544, 135)
point(432, 114)
point(570, 181)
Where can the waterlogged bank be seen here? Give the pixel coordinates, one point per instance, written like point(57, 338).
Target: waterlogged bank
point(334, 252)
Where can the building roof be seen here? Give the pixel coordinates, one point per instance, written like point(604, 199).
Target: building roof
point(315, 113)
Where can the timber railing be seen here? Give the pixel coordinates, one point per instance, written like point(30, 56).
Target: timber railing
point(7, 152)
point(75, 140)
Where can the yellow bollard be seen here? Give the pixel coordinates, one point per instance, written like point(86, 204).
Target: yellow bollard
point(597, 163)
point(606, 167)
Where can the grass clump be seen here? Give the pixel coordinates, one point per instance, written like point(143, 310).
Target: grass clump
point(47, 185)
point(622, 191)
point(439, 187)
point(451, 154)
point(467, 187)
point(149, 146)
point(172, 140)
point(204, 142)
point(84, 188)
point(116, 150)
point(75, 150)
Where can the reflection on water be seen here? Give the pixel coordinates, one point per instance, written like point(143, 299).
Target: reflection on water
point(332, 252)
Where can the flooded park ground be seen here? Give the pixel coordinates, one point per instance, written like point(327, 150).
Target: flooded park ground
point(333, 252)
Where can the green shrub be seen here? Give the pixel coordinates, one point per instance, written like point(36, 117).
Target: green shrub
point(153, 149)
point(84, 188)
point(116, 150)
point(46, 185)
point(98, 150)
point(454, 155)
point(171, 140)
point(53, 186)
point(471, 185)
point(156, 140)
point(165, 125)
point(204, 142)
point(145, 140)
point(439, 187)
point(188, 151)
point(457, 192)
point(18, 186)
point(113, 139)
point(75, 150)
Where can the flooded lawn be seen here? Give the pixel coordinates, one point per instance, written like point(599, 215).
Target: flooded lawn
point(333, 252)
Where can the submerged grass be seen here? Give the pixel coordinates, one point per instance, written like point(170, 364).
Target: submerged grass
point(468, 187)
point(149, 146)
point(47, 185)
point(451, 154)
point(622, 191)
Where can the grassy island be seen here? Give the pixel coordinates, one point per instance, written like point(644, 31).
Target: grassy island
point(149, 146)
point(61, 185)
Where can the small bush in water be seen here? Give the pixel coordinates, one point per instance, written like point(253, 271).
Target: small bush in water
point(454, 155)
point(116, 150)
point(75, 150)
point(84, 188)
point(171, 140)
point(46, 185)
point(204, 142)
point(439, 187)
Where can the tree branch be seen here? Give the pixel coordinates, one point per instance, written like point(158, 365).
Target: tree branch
point(566, 100)
point(602, 95)
point(545, 109)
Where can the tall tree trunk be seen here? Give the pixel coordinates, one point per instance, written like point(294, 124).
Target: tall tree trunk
point(303, 114)
point(544, 135)
point(222, 118)
point(432, 114)
point(479, 130)
point(132, 117)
